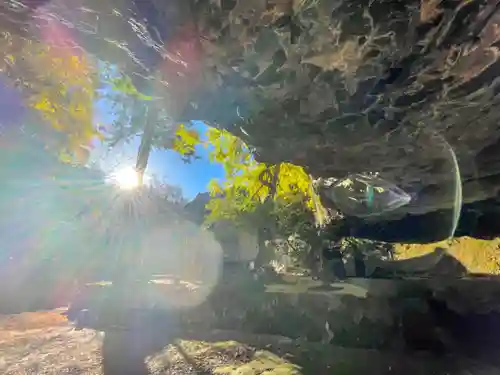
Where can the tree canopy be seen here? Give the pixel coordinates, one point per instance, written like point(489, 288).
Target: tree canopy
point(60, 84)
point(248, 185)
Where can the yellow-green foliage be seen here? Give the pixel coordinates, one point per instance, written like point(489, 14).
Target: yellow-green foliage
point(63, 93)
point(248, 183)
point(186, 140)
point(124, 84)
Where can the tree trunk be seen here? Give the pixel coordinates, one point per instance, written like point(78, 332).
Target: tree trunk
point(146, 146)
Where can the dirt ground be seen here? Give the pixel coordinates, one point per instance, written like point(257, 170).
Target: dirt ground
point(43, 343)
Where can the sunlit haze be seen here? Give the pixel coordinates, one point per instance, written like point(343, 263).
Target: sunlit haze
point(126, 178)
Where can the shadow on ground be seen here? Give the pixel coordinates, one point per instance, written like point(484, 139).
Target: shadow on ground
point(226, 352)
point(127, 352)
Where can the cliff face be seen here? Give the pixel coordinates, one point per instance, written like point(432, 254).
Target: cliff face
point(355, 86)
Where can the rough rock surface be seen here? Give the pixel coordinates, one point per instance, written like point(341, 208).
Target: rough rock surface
point(452, 316)
point(355, 86)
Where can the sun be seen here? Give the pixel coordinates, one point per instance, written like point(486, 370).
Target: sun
point(126, 178)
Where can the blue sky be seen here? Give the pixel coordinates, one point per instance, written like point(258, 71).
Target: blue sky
point(165, 165)
point(193, 177)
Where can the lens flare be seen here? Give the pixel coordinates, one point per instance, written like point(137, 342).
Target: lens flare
point(126, 178)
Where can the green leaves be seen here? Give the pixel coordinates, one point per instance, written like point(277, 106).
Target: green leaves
point(248, 184)
point(63, 93)
point(251, 191)
point(124, 85)
point(186, 141)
